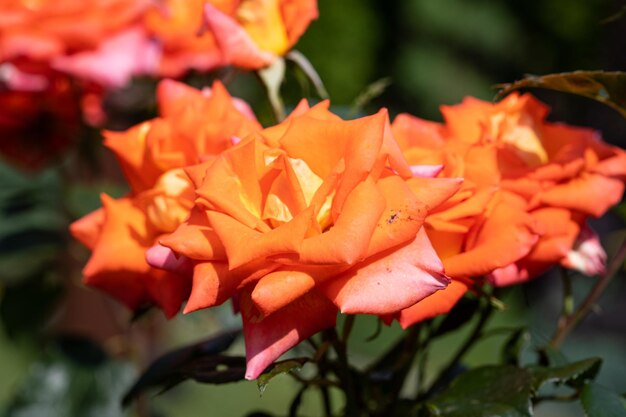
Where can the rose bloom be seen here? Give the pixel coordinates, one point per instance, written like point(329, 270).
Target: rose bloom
point(193, 126)
point(202, 35)
point(546, 178)
point(304, 218)
point(86, 39)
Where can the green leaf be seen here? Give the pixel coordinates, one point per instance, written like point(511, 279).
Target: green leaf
point(598, 401)
point(279, 368)
point(201, 361)
point(489, 391)
point(574, 374)
point(606, 87)
point(58, 386)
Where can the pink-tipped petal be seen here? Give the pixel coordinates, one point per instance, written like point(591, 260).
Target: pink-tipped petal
point(164, 258)
point(235, 44)
point(426, 171)
point(587, 255)
point(269, 338)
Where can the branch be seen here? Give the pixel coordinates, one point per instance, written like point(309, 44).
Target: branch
point(567, 323)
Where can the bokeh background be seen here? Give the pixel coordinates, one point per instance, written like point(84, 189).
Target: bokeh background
point(409, 56)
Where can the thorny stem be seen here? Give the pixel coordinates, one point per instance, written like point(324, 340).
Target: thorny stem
point(469, 342)
point(567, 323)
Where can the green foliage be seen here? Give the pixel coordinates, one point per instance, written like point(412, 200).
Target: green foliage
point(62, 385)
point(278, 368)
point(201, 362)
point(598, 401)
point(606, 87)
point(503, 391)
point(33, 235)
point(574, 374)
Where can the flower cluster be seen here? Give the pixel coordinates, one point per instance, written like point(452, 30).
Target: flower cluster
point(316, 214)
point(70, 49)
point(107, 42)
point(529, 188)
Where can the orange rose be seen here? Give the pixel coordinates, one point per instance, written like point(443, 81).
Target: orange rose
point(306, 217)
point(194, 126)
point(529, 185)
point(478, 230)
point(247, 34)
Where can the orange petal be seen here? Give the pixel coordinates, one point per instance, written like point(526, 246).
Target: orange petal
point(347, 241)
point(167, 290)
point(402, 218)
point(297, 15)
point(87, 229)
point(195, 239)
point(441, 302)
point(130, 149)
point(173, 97)
point(279, 288)
point(235, 44)
point(117, 264)
point(590, 193)
point(389, 282)
point(244, 244)
point(507, 234)
point(434, 191)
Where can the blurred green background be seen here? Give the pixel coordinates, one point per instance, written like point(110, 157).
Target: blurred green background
point(433, 53)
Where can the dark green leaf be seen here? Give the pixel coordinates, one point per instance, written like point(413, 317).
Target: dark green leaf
point(279, 368)
point(598, 401)
point(490, 391)
point(26, 306)
point(57, 386)
point(201, 361)
point(549, 356)
point(574, 374)
point(606, 87)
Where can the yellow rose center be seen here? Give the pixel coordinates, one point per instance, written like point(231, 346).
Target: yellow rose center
point(277, 208)
point(262, 20)
point(517, 131)
point(169, 202)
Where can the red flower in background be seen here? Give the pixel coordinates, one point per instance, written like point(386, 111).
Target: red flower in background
point(40, 121)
